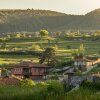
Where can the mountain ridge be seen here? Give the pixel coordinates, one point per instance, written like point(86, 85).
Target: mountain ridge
point(34, 20)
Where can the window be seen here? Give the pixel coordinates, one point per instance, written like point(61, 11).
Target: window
point(35, 69)
point(40, 69)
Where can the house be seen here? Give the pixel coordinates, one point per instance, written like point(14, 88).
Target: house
point(29, 69)
point(85, 63)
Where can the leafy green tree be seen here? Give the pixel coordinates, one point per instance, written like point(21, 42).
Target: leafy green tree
point(44, 33)
point(3, 45)
point(4, 72)
point(48, 55)
point(24, 35)
point(68, 47)
point(80, 52)
point(58, 34)
point(81, 49)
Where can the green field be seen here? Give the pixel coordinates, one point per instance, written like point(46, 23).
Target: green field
point(63, 52)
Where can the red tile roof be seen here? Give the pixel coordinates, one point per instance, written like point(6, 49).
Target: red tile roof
point(92, 58)
point(29, 64)
point(87, 59)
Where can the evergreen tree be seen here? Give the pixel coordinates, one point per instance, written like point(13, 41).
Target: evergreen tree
point(81, 50)
point(49, 56)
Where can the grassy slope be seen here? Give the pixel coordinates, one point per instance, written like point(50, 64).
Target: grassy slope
point(26, 93)
point(84, 94)
point(63, 52)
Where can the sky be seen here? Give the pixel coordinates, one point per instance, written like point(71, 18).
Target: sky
point(66, 6)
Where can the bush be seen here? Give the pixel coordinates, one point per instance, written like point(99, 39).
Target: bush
point(86, 83)
point(35, 47)
point(55, 87)
point(27, 83)
point(50, 90)
point(41, 84)
point(44, 32)
point(91, 85)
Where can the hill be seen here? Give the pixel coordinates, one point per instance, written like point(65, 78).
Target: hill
point(34, 20)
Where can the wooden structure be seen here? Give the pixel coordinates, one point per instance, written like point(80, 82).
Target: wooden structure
point(29, 69)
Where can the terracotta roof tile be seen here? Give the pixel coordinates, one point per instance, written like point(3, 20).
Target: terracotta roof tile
point(28, 64)
point(92, 58)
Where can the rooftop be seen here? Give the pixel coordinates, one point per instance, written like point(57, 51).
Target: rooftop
point(29, 64)
point(87, 59)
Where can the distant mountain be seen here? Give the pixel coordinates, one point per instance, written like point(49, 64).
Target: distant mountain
point(94, 13)
point(34, 20)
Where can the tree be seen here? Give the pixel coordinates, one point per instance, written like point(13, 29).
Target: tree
point(5, 72)
point(44, 32)
point(18, 35)
point(68, 47)
point(24, 35)
point(81, 49)
point(48, 55)
point(3, 45)
point(58, 34)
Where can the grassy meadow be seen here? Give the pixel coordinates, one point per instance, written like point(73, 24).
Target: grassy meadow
point(64, 46)
point(50, 91)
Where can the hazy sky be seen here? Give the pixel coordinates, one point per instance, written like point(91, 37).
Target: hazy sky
point(67, 6)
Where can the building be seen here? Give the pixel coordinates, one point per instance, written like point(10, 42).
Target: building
point(29, 69)
point(85, 63)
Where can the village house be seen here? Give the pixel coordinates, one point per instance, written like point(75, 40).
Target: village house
point(29, 69)
point(85, 63)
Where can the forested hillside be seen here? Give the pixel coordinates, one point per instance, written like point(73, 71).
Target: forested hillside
point(34, 20)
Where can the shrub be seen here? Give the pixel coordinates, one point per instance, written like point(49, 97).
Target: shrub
point(35, 47)
point(55, 87)
point(27, 83)
point(41, 84)
point(44, 32)
point(86, 83)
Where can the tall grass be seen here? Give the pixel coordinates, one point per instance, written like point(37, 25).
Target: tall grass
point(88, 91)
point(49, 91)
